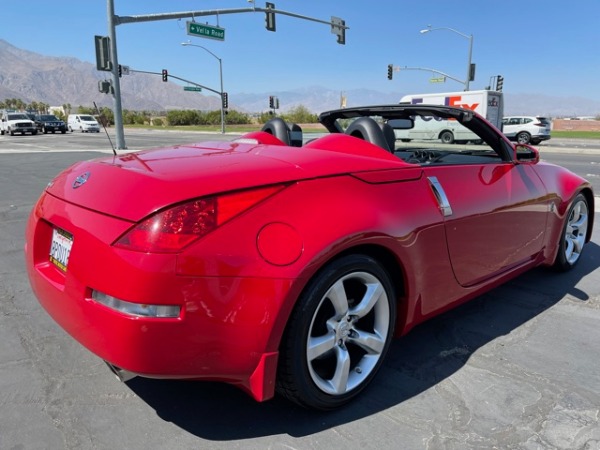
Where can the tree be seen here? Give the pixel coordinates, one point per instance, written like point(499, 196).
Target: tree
point(300, 114)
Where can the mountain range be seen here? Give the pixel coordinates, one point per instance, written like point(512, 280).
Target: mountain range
point(57, 81)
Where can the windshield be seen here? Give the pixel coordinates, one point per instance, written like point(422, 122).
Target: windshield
point(48, 117)
point(17, 117)
point(87, 118)
point(422, 134)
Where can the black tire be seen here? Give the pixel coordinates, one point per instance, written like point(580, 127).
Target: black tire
point(523, 137)
point(33, 132)
point(447, 137)
point(44, 130)
point(63, 131)
point(574, 235)
point(338, 334)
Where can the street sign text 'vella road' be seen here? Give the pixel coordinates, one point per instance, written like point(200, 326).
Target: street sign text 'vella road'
point(192, 88)
point(206, 31)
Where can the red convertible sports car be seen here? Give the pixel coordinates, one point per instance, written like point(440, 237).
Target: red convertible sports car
point(276, 264)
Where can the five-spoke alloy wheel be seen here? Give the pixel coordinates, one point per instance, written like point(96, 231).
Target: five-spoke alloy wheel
point(574, 234)
point(338, 333)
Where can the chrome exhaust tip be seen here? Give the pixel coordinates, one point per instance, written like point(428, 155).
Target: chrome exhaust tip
point(122, 374)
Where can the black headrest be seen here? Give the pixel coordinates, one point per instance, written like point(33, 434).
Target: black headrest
point(367, 129)
point(278, 128)
point(289, 134)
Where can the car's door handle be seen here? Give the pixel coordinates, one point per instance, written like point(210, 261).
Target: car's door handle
point(440, 196)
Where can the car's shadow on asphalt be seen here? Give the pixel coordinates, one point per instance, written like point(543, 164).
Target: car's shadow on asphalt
point(429, 354)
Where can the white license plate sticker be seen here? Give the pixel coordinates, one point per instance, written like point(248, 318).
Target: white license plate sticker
point(60, 248)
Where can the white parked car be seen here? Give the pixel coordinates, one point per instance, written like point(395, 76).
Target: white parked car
point(83, 122)
point(527, 129)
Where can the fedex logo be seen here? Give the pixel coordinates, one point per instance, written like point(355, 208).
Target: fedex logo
point(450, 101)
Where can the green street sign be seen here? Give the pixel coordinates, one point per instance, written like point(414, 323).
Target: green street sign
point(192, 88)
point(206, 31)
point(437, 80)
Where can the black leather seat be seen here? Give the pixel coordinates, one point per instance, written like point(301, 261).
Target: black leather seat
point(367, 129)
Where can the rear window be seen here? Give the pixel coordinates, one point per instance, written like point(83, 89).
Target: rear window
point(543, 120)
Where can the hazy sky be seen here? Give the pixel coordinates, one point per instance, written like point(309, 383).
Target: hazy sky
point(550, 47)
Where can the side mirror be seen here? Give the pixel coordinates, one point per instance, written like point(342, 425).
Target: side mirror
point(527, 153)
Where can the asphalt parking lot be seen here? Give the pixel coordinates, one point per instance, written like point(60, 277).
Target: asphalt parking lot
point(518, 367)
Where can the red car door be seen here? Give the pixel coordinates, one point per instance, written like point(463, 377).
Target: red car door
point(495, 216)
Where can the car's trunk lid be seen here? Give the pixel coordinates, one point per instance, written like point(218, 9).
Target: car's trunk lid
point(133, 185)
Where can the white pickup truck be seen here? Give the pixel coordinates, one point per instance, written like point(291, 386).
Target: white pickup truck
point(14, 122)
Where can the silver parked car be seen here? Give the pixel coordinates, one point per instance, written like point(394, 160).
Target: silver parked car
point(527, 129)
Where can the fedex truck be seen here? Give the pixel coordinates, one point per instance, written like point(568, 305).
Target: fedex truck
point(489, 104)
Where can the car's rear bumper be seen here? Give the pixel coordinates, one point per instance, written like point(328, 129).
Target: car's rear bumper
point(223, 331)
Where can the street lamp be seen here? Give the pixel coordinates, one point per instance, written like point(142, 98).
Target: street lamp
point(220, 77)
point(470, 38)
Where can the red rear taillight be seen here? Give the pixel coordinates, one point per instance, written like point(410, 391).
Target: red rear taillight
point(172, 229)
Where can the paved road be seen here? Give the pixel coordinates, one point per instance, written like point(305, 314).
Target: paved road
point(518, 367)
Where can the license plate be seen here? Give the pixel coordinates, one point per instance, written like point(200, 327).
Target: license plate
point(60, 248)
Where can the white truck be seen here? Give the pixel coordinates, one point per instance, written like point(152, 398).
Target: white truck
point(489, 104)
point(16, 122)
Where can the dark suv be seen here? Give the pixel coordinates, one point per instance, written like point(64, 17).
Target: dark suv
point(47, 123)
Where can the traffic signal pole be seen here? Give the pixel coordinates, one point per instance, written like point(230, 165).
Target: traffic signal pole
point(118, 112)
point(338, 27)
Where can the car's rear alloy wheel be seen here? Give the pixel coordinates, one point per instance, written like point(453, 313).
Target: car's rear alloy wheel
point(447, 137)
point(338, 334)
point(523, 138)
point(574, 234)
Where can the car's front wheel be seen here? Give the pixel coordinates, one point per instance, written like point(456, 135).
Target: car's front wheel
point(574, 234)
point(338, 334)
point(447, 137)
point(523, 138)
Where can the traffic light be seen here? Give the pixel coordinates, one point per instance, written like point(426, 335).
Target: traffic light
point(270, 17)
point(120, 71)
point(165, 75)
point(499, 83)
point(338, 27)
point(104, 86)
point(225, 100)
point(472, 72)
point(272, 101)
point(390, 71)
